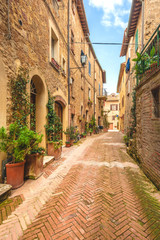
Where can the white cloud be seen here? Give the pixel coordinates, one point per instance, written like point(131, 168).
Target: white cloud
point(114, 11)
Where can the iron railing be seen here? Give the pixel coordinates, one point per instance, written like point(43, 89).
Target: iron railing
point(154, 41)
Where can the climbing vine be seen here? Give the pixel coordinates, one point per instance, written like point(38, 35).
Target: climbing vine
point(21, 107)
point(54, 125)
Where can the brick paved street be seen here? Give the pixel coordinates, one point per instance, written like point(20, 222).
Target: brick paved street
point(97, 192)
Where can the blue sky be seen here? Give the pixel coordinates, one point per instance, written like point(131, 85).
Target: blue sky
point(107, 20)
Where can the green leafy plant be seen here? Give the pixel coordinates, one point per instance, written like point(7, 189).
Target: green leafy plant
point(92, 123)
point(71, 133)
point(58, 144)
point(54, 125)
point(144, 62)
point(105, 122)
point(126, 140)
point(17, 142)
point(21, 107)
point(39, 150)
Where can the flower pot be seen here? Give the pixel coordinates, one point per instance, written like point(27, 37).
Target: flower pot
point(68, 144)
point(105, 130)
point(54, 152)
point(15, 174)
point(34, 166)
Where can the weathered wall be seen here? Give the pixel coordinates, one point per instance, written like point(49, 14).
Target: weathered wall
point(148, 129)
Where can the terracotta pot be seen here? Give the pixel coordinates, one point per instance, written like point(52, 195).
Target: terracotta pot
point(68, 144)
point(84, 136)
point(105, 130)
point(54, 152)
point(15, 174)
point(34, 166)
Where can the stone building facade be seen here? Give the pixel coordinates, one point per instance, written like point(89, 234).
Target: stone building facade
point(144, 24)
point(35, 37)
point(111, 109)
point(122, 97)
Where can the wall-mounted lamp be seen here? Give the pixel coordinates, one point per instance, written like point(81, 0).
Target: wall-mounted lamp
point(83, 58)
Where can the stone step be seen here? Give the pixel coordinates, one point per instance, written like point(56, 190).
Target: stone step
point(5, 191)
point(47, 160)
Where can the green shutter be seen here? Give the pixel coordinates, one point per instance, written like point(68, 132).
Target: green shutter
point(136, 41)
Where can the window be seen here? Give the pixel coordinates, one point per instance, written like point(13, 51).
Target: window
point(54, 52)
point(156, 102)
point(81, 110)
point(123, 101)
point(89, 68)
point(136, 41)
point(63, 65)
point(72, 88)
point(99, 89)
point(114, 107)
point(72, 41)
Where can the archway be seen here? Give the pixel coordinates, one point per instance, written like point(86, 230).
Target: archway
point(38, 98)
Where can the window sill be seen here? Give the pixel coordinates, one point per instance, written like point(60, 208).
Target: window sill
point(55, 64)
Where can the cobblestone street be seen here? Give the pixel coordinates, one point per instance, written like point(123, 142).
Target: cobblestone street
point(96, 192)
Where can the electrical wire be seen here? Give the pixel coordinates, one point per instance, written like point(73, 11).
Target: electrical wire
point(106, 43)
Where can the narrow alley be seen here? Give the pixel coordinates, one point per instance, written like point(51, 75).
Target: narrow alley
point(96, 192)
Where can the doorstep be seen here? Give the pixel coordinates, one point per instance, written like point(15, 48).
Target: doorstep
point(47, 160)
point(5, 191)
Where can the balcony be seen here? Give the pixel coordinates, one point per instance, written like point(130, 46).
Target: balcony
point(151, 64)
point(102, 94)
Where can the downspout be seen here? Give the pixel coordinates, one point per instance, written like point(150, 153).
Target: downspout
point(68, 63)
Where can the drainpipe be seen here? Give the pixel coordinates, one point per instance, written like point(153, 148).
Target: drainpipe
point(69, 63)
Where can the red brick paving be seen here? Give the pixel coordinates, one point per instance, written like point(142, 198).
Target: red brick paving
point(96, 202)
point(8, 206)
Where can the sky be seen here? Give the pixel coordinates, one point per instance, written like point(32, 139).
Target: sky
point(107, 20)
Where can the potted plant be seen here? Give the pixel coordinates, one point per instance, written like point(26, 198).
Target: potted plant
point(144, 61)
point(68, 144)
point(53, 130)
point(70, 132)
point(84, 135)
point(105, 124)
point(34, 163)
point(17, 142)
point(90, 131)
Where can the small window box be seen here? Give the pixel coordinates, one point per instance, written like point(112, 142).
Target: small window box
point(55, 64)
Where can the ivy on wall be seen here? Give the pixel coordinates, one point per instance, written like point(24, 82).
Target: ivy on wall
point(21, 107)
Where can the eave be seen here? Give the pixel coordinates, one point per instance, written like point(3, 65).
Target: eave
point(133, 19)
point(82, 16)
point(124, 44)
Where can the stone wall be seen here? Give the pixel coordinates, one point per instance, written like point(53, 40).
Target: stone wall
point(26, 42)
point(148, 129)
